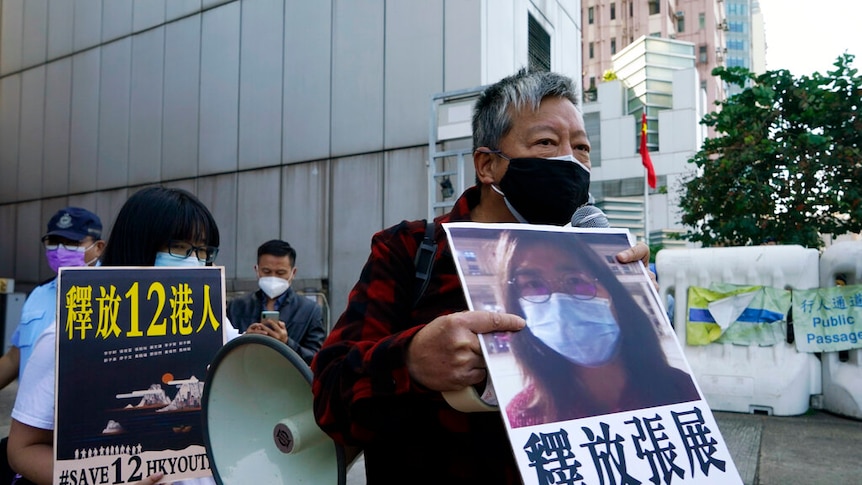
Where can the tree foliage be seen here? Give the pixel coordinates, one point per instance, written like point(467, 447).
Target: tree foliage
point(786, 163)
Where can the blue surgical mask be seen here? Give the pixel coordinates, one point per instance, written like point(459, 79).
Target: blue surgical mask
point(167, 259)
point(583, 331)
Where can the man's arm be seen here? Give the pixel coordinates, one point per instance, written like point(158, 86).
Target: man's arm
point(382, 348)
point(31, 452)
point(9, 366)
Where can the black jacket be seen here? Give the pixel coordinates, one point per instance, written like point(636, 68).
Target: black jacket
point(302, 318)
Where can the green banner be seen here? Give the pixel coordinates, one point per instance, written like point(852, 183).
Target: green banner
point(828, 319)
point(742, 315)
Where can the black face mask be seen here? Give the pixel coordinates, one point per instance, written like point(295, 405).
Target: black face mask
point(545, 190)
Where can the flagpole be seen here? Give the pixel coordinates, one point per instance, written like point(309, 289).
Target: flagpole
point(646, 209)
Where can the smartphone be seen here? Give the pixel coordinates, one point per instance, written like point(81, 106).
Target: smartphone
point(268, 315)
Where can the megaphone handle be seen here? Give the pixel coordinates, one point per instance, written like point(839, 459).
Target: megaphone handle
point(467, 400)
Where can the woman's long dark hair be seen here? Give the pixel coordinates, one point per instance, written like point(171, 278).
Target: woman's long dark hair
point(152, 217)
point(639, 349)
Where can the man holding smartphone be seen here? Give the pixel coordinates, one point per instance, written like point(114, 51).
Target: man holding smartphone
point(275, 309)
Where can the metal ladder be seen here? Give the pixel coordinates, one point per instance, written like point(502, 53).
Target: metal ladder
point(450, 142)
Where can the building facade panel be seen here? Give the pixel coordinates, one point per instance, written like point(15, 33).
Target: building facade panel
point(304, 214)
point(307, 86)
point(116, 19)
point(462, 44)
point(147, 14)
point(175, 9)
point(29, 230)
point(61, 25)
point(219, 91)
point(357, 77)
point(145, 107)
point(114, 95)
point(11, 35)
point(182, 86)
point(257, 191)
point(58, 109)
point(31, 141)
point(10, 112)
point(414, 62)
point(405, 191)
point(499, 47)
point(88, 24)
point(260, 104)
point(84, 133)
point(357, 213)
point(220, 194)
point(8, 234)
point(34, 45)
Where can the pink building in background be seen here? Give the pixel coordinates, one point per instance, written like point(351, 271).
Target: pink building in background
point(611, 25)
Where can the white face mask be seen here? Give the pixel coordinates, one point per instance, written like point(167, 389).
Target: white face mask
point(167, 259)
point(273, 286)
point(583, 331)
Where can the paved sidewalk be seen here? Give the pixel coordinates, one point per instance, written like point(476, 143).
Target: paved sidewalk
point(814, 449)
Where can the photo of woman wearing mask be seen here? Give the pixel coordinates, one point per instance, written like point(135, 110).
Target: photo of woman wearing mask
point(588, 348)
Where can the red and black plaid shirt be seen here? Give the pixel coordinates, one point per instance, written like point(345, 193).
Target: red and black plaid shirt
point(363, 394)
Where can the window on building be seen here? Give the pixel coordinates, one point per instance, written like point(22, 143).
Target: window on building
point(592, 50)
point(631, 9)
point(702, 58)
point(613, 10)
point(701, 21)
point(592, 83)
point(654, 7)
point(613, 46)
point(736, 27)
point(680, 24)
point(538, 46)
point(591, 12)
point(736, 44)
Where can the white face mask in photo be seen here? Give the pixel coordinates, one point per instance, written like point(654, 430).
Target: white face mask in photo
point(168, 260)
point(273, 286)
point(583, 331)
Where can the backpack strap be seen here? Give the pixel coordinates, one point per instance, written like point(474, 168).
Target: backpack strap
point(424, 260)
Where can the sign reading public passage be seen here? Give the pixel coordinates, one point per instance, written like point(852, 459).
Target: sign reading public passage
point(828, 319)
point(133, 345)
point(595, 389)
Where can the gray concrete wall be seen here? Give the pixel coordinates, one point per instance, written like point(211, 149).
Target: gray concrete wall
point(302, 120)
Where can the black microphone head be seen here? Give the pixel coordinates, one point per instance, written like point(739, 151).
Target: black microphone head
point(589, 216)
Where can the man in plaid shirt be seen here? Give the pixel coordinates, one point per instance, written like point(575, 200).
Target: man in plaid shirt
point(379, 377)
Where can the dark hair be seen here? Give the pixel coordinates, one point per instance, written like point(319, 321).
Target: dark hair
point(278, 248)
point(152, 217)
point(639, 348)
point(492, 113)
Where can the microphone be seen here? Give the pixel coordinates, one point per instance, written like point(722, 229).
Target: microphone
point(589, 216)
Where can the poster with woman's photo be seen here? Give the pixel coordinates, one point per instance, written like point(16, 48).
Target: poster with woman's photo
point(595, 389)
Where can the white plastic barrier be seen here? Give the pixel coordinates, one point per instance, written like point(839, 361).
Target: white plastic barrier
point(842, 381)
point(775, 380)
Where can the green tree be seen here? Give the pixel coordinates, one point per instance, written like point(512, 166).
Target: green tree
point(787, 161)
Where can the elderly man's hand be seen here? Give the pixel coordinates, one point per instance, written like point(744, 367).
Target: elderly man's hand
point(639, 251)
point(446, 356)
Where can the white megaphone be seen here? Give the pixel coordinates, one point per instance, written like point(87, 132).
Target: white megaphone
point(258, 421)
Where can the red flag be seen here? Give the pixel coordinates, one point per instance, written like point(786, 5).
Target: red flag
point(650, 171)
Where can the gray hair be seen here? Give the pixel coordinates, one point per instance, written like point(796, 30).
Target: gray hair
point(492, 115)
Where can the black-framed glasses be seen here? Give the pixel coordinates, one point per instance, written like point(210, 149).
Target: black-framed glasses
point(182, 249)
point(536, 289)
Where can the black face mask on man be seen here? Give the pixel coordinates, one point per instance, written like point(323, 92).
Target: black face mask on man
point(544, 190)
